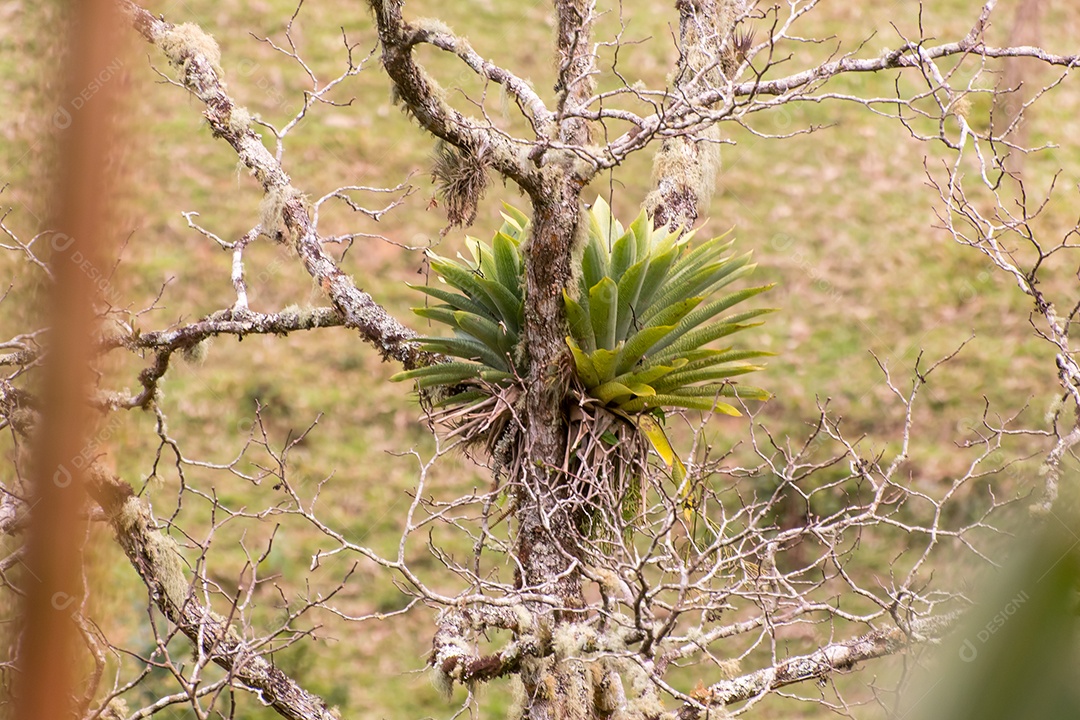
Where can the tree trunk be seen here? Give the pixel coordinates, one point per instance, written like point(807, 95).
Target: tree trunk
point(548, 549)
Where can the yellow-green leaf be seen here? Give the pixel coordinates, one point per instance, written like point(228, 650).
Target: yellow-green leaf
point(586, 370)
point(657, 438)
point(610, 391)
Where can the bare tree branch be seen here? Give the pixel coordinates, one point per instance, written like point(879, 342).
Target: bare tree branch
point(158, 561)
point(822, 663)
point(187, 48)
point(531, 104)
point(186, 337)
point(424, 99)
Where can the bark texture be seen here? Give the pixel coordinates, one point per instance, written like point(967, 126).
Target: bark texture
point(157, 560)
point(547, 542)
point(424, 99)
point(577, 66)
point(820, 664)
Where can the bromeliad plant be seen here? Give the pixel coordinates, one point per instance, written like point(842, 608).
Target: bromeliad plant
point(642, 320)
point(486, 313)
point(640, 323)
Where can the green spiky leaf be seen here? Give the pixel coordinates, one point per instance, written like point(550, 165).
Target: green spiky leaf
point(604, 312)
point(506, 263)
point(454, 300)
point(639, 404)
point(636, 347)
point(577, 317)
point(448, 373)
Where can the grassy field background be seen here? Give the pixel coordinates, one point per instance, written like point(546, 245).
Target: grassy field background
point(841, 219)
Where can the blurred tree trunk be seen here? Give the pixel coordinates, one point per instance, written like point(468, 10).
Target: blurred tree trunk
point(1018, 75)
point(46, 685)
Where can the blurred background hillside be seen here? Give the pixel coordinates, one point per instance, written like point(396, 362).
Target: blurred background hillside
point(842, 219)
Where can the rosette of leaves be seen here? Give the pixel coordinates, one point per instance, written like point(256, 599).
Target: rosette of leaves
point(481, 299)
point(482, 302)
point(647, 307)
